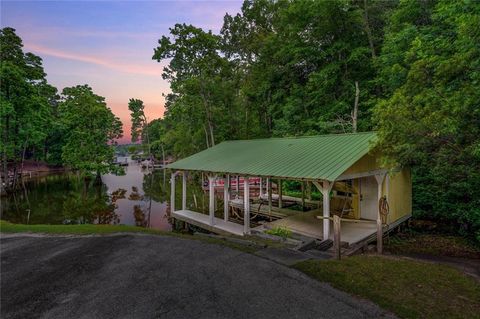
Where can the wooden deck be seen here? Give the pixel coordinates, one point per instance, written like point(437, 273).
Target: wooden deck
point(203, 221)
point(262, 209)
point(308, 225)
point(286, 199)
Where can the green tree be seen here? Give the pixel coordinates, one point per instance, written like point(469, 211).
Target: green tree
point(198, 76)
point(139, 125)
point(429, 117)
point(26, 104)
point(91, 131)
point(277, 68)
point(139, 120)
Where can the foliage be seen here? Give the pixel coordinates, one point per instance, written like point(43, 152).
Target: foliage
point(202, 88)
point(137, 113)
point(283, 68)
point(280, 231)
point(76, 129)
point(277, 68)
point(27, 104)
point(287, 68)
point(125, 149)
point(91, 129)
point(409, 288)
point(429, 114)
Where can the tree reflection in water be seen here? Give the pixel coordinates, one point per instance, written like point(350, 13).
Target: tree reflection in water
point(139, 215)
point(135, 195)
point(61, 199)
point(70, 199)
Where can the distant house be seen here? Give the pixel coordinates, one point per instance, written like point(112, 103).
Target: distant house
point(343, 167)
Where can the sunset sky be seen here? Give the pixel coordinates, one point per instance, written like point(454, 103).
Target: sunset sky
point(108, 44)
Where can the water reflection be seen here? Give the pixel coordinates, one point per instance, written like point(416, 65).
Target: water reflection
point(139, 197)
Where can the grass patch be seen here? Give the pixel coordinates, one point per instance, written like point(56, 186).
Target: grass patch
point(280, 231)
point(408, 288)
point(413, 243)
point(81, 229)
point(91, 229)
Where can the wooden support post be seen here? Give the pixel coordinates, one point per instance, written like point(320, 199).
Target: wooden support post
point(379, 178)
point(309, 190)
point(336, 236)
point(280, 193)
point(226, 197)
point(184, 190)
point(172, 192)
point(269, 190)
point(260, 190)
point(246, 207)
point(303, 195)
point(326, 187)
point(211, 195)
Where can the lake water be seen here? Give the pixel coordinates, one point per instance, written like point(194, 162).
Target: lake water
point(140, 197)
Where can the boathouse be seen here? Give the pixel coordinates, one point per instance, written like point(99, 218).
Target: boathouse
point(345, 168)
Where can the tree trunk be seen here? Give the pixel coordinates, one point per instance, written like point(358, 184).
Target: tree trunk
point(211, 133)
point(208, 115)
point(23, 157)
point(164, 171)
point(4, 157)
point(355, 108)
point(367, 28)
point(98, 179)
point(206, 136)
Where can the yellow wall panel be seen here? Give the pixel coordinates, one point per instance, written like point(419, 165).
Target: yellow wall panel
point(367, 163)
point(399, 194)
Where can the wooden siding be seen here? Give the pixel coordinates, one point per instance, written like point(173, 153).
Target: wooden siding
point(369, 162)
point(397, 186)
point(399, 194)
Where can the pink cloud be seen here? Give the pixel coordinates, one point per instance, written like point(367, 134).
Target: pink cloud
point(154, 70)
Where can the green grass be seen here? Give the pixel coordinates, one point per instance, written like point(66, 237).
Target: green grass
point(408, 288)
point(89, 229)
point(283, 232)
point(411, 243)
point(82, 229)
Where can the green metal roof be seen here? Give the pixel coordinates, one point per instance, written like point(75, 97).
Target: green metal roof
point(323, 157)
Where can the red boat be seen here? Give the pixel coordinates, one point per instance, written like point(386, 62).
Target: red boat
point(254, 183)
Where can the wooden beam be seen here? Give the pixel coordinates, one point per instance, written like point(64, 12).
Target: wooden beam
point(280, 193)
point(327, 186)
point(336, 237)
point(303, 196)
point(226, 197)
point(363, 174)
point(172, 192)
point(211, 195)
point(184, 190)
point(260, 189)
point(269, 189)
point(318, 185)
point(309, 190)
point(379, 178)
point(358, 221)
point(246, 203)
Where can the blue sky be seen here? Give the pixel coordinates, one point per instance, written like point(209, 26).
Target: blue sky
point(108, 44)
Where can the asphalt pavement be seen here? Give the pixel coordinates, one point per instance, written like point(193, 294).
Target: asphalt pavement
point(147, 276)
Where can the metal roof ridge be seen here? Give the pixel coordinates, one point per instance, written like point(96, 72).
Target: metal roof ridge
point(298, 137)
